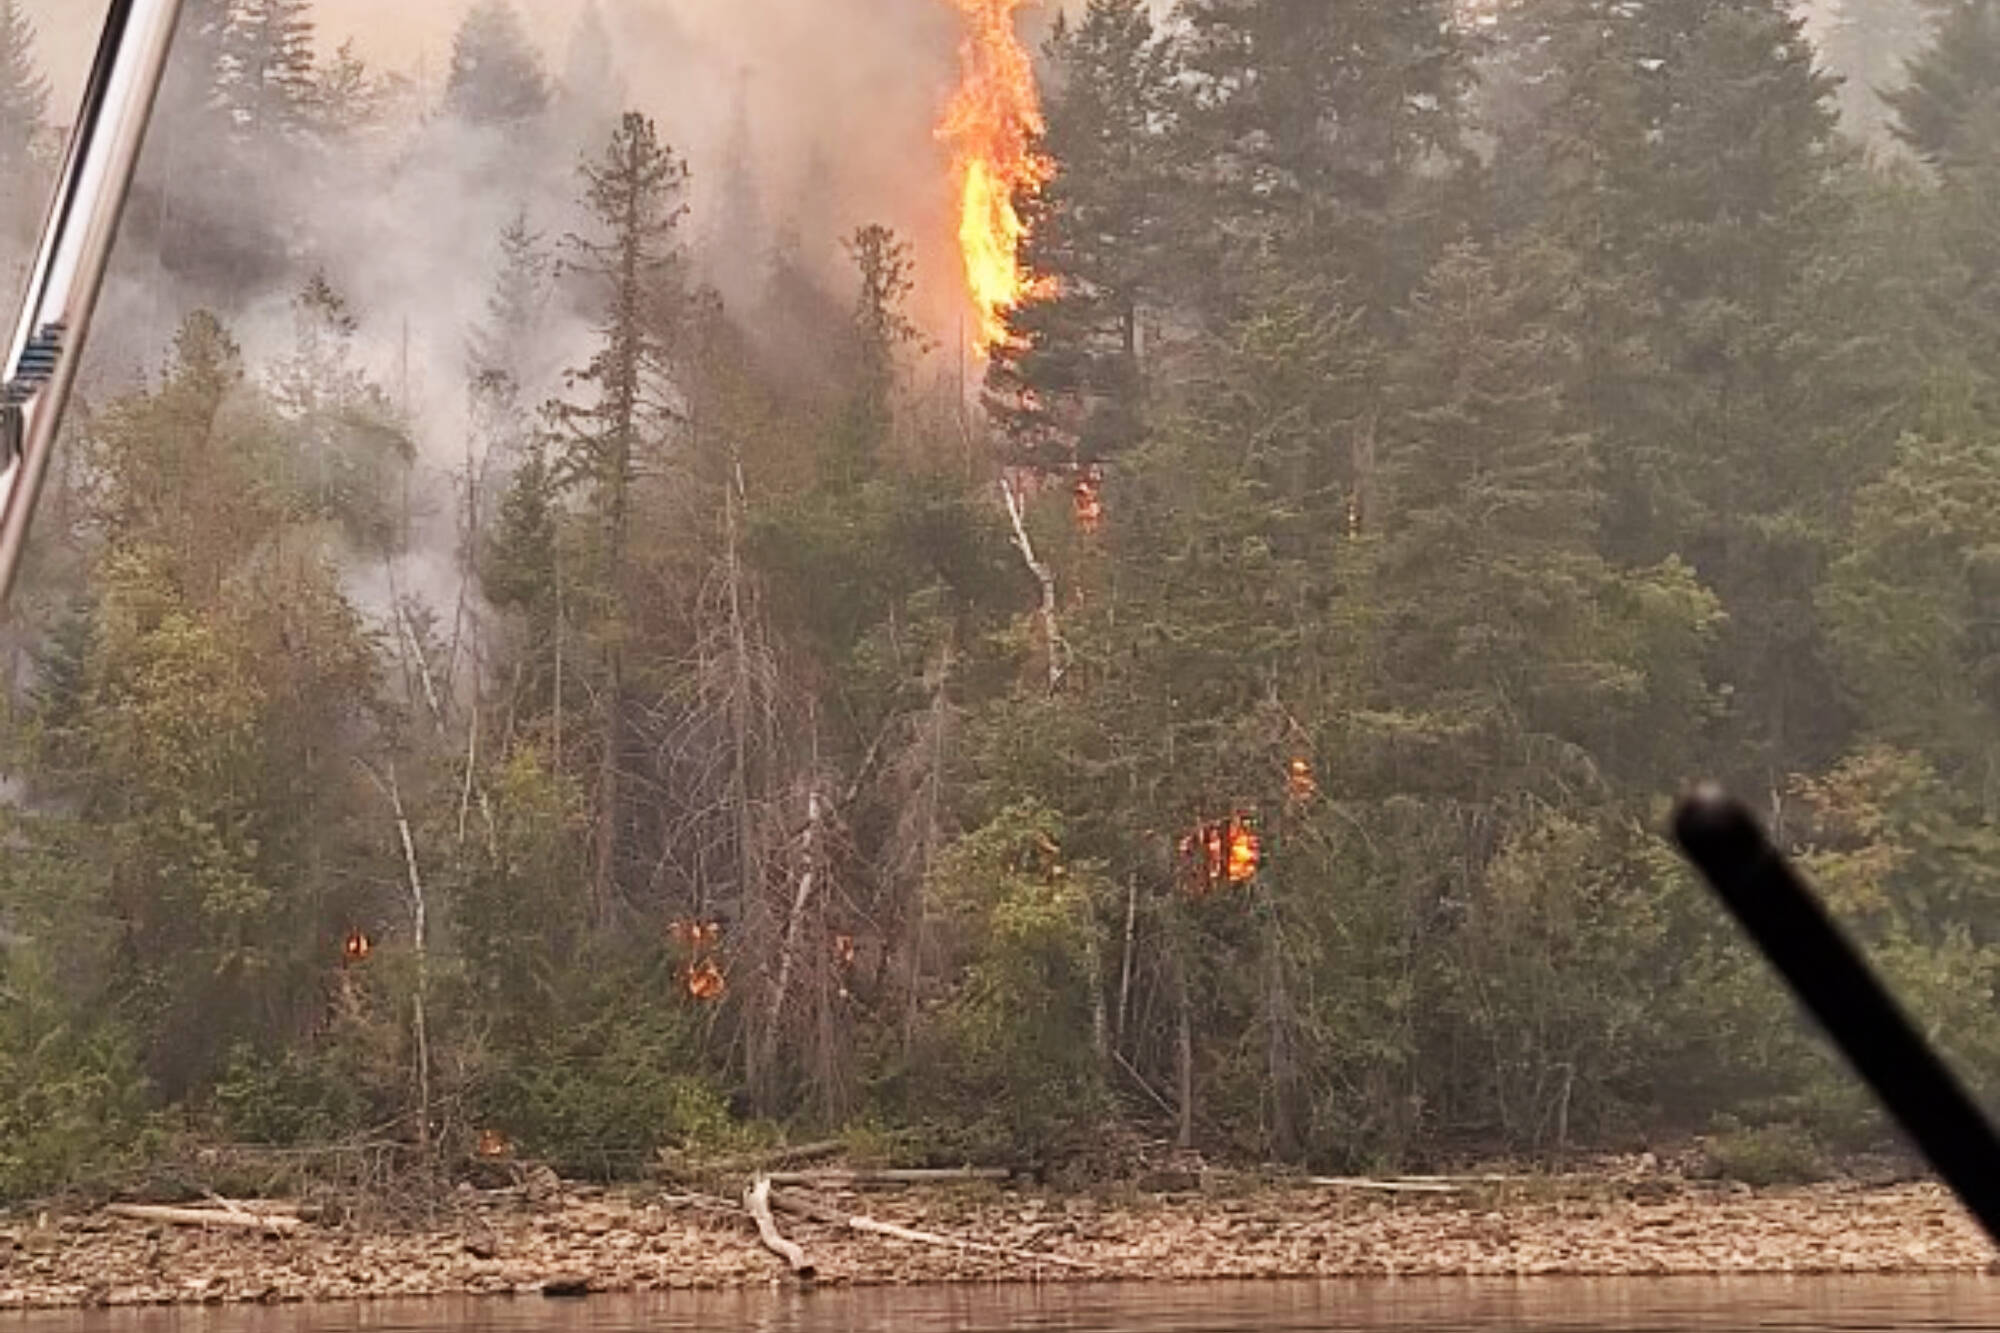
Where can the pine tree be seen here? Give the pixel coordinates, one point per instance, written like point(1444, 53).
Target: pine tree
point(1688, 164)
point(24, 97)
point(738, 234)
point(634, 262)
point(267, 83)
point(882, 333)
point(496, 75)
point(24, 100)
point(591, 89)
point(1870, 43)
point(348, 447)
point(1952, 84)
point(1304, 124)
point(1068, 388)
point(502, 353)
point(1911, 601)
point(347, 96)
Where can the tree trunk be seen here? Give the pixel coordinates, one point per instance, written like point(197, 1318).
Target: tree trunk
point(1125, 967)
point(749, 869)
point(1058, 648)
point(609, 797)
point(1280, 1067)
point(1183, 1057)
point(774, 1012)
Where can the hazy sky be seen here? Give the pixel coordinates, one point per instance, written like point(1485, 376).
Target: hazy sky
point(391, 32)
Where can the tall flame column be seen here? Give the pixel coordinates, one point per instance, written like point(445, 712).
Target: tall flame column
point(991, 126)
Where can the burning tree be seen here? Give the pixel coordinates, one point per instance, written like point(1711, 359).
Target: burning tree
point(1067, 384)
point(992, 125)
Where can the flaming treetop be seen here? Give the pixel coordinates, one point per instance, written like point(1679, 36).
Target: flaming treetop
point(991, 126)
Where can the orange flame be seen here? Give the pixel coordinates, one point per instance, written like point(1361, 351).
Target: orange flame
point(1089, 495)
point(704, 980)
point(1246, 850)
point(1300, 784)
point(991, 126)
point(1221, 851)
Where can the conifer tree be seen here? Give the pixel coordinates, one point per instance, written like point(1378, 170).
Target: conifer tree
point(1067, 388)
point(267, 83)
point(1952, 86)
point(1867, 46)
point(635, 268)
point(24, 96)
point(24, 100)
point(1303, 125)
point(496, 74)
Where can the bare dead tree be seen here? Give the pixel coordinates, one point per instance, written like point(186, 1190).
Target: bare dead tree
point(392, 791)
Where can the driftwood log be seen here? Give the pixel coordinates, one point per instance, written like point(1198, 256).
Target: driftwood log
point(818, 1212)
point(240, 1217)
point(1384, 1186)
point(673, 1163)
point(757, 1199)
point(859, 1178)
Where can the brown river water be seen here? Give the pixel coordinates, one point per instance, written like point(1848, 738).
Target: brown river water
point(1560, 1305)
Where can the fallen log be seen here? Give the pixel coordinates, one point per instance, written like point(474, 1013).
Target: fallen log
point(674, 1163)
point(1385, 1186)
point(817, 1212)
point(254, 1207)
point(757, 1199)
point(273, 1223)
point(860, 1177)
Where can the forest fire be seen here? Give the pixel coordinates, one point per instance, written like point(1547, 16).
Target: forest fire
point(991, 125)
point(1221, 852)
point(1089, 497)
point(700, 974)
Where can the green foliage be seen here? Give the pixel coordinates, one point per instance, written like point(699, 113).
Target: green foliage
point(496, 76)
point(1775, 1154)
point(283, 1099)
point(1951, 86)
point(1014, 1071)
point(73, 1101)
point(612, 1078)
point(1427, 475)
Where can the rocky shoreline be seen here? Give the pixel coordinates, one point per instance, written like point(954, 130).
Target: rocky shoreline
point(579, 1239)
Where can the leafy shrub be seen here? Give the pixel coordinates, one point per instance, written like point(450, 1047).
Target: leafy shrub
point(284, 1099)
point(1007, 1066)
point(72, 1099)
point(616, 1077)
point(1777, 1154)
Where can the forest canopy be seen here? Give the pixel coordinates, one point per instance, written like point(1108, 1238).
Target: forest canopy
point(1242, 716)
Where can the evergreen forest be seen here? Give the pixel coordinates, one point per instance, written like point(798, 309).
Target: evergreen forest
point(1240, 718)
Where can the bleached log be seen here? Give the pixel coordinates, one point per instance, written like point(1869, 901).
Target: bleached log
point(861, 1178)
point(792, 1203)
point(757, 1199)
point(241, 1220)
point(1384, 1186)
point(676, 1164)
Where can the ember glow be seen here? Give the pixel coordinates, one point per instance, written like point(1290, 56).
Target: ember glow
point(1300, 784)
point(1221, 852)
point(991, 126)
point(1089, 495)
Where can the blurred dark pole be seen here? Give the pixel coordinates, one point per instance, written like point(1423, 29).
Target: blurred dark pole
point(75, 248)
point(1767, 896)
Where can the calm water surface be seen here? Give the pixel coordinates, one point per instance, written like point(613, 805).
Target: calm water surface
point(1632, 1305)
